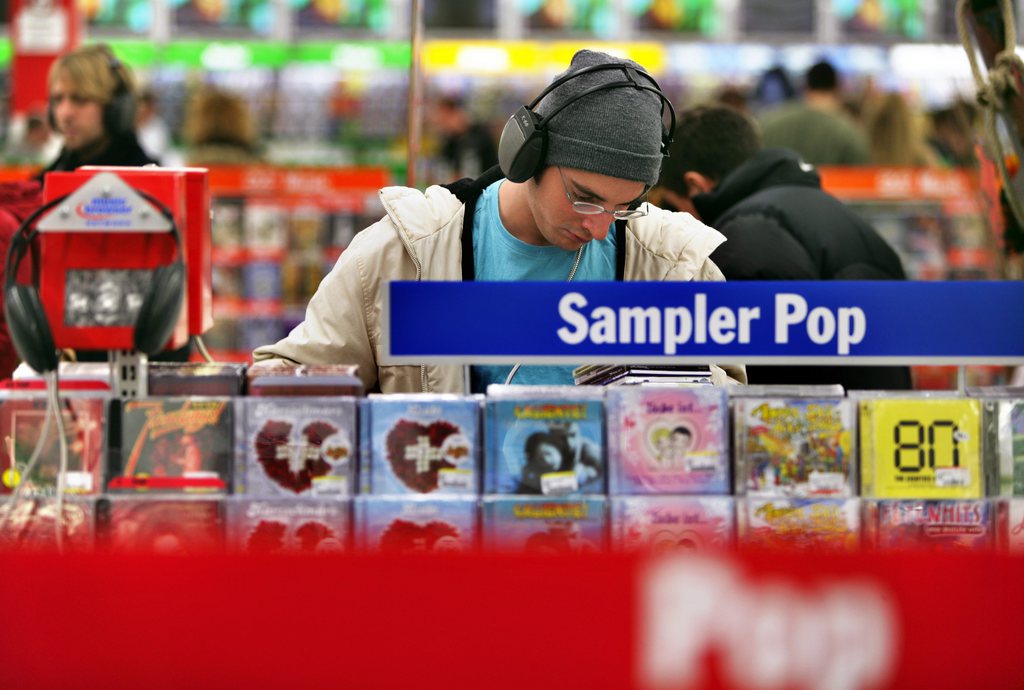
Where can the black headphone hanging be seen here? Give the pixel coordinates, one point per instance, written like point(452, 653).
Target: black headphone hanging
point(524, 138)
point(119, 112)
point(26, 317)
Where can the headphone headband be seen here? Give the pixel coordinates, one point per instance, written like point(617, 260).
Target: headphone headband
point(630, 73)
point(524, 139)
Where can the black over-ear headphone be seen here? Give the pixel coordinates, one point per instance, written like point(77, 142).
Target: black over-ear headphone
point(119, 113)
point(525, 136)
point(26, 318)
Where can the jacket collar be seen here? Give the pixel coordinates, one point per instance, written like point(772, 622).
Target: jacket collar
point(773, 167)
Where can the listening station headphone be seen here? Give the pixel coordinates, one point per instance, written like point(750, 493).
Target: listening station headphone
point(119, 113)
point(26, 318)
point(525, 136)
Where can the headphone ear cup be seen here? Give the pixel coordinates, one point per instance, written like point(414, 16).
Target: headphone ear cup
point(159, 312)
point(119, 114)
point(29, 329)
point(521, 147)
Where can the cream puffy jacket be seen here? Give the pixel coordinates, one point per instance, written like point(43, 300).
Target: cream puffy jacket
point(419, 238)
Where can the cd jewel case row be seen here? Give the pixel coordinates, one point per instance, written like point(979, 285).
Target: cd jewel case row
point(547, 469)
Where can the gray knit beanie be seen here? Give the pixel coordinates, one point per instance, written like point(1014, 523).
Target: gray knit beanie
point(615, 132)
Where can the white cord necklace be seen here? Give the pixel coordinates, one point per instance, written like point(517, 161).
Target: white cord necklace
point(572, 273)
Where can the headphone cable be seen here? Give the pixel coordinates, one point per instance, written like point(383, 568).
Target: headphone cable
point(572, 274)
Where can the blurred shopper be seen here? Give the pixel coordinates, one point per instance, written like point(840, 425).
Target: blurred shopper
point(896, 134)
point(571, 208)
point(219, 129)
point(774, 88)
point(779, 223)
point(467, 147)
point(953, 137)
point(733, 97)
point(33, 143)
point(92, 105)
point(153, 132)
point(817, 127)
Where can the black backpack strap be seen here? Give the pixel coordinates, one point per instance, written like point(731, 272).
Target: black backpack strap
point(468, 190)
point(620, 249)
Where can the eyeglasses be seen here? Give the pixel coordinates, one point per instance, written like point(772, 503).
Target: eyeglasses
point(589, 209)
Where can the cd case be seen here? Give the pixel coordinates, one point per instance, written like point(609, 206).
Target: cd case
point(669, 524)
point(287, 525)
point(173, 445)
point(544, 440)
point(945, 525)
point(799, 524)
point(298, 447)
point(665, 440)
point(22, 422)
point(28, 525)
point(416, 524)
point(921, 448)
point(159, 525)
point(795, 447)
point(536, 524)
point(420, 444)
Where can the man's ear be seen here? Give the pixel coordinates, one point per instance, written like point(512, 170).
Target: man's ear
point(697, 183)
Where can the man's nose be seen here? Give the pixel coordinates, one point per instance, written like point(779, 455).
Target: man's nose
point(596, 225)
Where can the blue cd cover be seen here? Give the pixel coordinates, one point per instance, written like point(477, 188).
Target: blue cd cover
point(545, 440)
point(536, 524)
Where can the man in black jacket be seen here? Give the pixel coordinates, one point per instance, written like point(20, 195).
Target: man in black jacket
point(92, 104)
point(779, 222)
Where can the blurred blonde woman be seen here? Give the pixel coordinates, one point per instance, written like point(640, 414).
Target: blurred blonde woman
point(219, 129)
point(896, 135)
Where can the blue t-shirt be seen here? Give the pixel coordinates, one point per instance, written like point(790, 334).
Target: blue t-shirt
point(500, 256)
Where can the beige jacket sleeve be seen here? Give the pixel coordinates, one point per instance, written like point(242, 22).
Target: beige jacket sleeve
point(334, 330)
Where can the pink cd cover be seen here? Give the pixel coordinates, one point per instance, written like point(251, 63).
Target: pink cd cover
point(667, 440)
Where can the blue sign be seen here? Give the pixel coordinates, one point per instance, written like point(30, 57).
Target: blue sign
point(770, 322)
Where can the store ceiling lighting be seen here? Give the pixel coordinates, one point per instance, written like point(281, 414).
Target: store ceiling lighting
point(226, 56)
point(356, 57)
point(915, 60)
point(482, 59)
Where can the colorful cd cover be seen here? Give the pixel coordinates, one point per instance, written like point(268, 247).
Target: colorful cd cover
point(537, 524)
point(801, 524)
point(921, 448)
point(298, 447)
point(416, 524)
point(1011, 524)
point(664, 524)
point(171, 445)
point(159, 525)
point(421, 444)
point(668, 440)
point(28, 525)
point(22, 422)
point(287, 525)
point(1009, 444)
point(795, 447)
point(545, 440)
point(932, 525)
